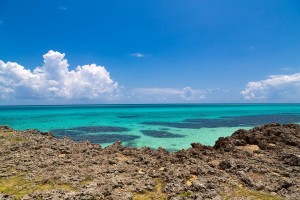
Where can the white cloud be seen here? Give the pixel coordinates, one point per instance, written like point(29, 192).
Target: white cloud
point(167, 94)
point(138, 55)
point(54, 80)
point(276, 87)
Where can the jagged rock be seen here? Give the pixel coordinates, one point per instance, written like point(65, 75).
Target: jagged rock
point(291, 159)
point(6, 196)
point(5, 128)
point(264, 158)
point(227, 164)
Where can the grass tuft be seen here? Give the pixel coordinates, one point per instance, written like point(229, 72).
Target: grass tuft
point(239, 192)
point(86, 181)
point(156, 194)
point(20, 186)
point(186, 194)
point(11, 137)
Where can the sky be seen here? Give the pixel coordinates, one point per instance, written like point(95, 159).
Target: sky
point(149, 51)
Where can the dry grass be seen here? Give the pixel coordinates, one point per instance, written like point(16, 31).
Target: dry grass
point(190, 181)
point(87, 180)
point(19, 185)
point(240, 192)
point(156, 194)
point(10, 136)
point(248, 148)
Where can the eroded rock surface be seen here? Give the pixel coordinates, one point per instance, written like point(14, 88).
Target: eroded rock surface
point(261, 163)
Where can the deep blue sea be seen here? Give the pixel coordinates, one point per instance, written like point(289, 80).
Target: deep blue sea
point(172, 126)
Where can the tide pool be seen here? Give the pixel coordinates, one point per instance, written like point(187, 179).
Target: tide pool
point(172, 126)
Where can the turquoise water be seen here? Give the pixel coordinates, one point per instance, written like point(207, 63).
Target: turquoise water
point(172, 126)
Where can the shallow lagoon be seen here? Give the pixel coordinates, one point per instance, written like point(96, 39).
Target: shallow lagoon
point(172, 126)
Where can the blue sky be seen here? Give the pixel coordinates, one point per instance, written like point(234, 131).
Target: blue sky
point(152, 51)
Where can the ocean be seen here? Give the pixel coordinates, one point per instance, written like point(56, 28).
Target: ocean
point(171, 126)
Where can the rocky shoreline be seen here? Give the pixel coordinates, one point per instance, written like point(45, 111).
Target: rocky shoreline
point(262, 163)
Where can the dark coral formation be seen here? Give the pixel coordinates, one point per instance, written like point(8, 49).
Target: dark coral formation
point(128, 116)
point(91, 129)
point(96, 134)
point(262, 163)
point(232, 121)
point(161, 134)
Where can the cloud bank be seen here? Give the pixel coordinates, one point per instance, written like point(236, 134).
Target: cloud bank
point(54, 80)
point(285, 88)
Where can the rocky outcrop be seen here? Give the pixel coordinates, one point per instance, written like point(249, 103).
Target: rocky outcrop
point(263, 162)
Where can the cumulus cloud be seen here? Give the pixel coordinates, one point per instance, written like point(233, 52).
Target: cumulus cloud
point(168, 94)
point(54, 80)
point(276, 87)
point(138, 55)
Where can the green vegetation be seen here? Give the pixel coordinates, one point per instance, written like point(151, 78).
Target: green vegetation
point(11, 136)
point(239, 192)
point(20, 185)
point(156, 194)
point(87, 180)
point(6, 132)
point(186, 194)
